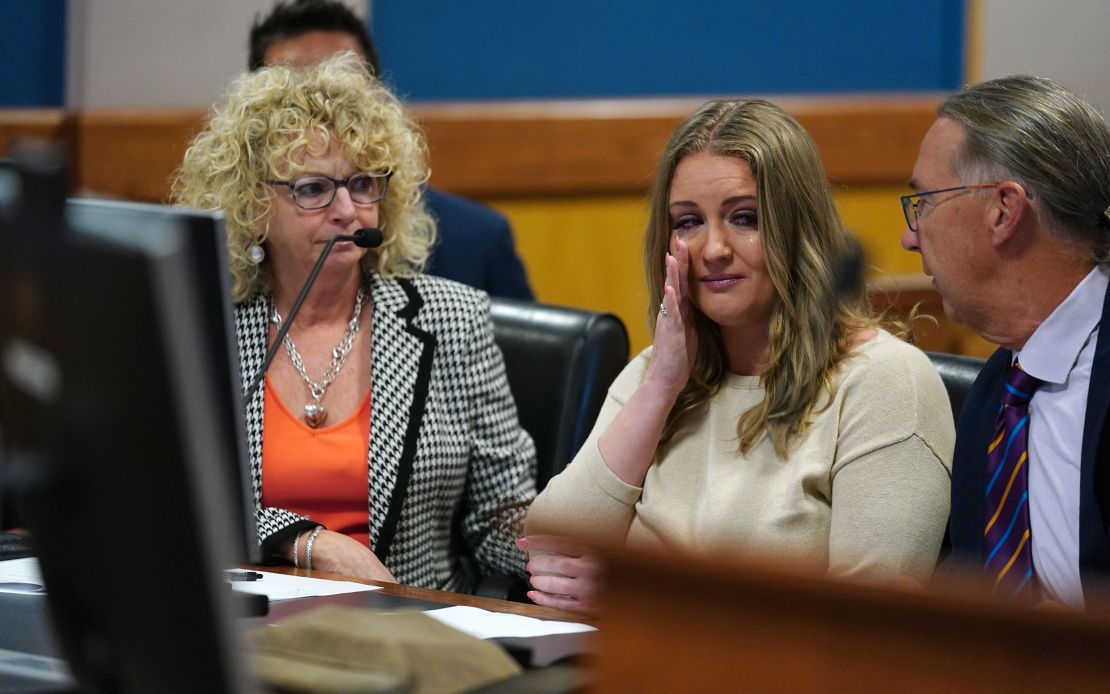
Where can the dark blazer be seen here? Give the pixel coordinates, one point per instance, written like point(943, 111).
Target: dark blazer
point(475, 247)
point(446, 452)
point(969, 463)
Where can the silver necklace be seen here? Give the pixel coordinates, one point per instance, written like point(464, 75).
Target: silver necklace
point(315, 414)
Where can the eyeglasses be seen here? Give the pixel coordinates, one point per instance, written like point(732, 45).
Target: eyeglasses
point(915, 206)
point(317, 192)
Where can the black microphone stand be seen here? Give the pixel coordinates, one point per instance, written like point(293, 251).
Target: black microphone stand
point(367, 237)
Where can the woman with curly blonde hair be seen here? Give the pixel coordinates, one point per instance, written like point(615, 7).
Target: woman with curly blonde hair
point(772, 414)
point(389, 411)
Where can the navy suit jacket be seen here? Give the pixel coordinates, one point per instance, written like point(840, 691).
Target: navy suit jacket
point(969, 465)
point(475, 247)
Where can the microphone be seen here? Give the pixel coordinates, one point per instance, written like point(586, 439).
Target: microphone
point(366, 237)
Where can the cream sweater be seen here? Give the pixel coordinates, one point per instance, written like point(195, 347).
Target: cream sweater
point(864, 493)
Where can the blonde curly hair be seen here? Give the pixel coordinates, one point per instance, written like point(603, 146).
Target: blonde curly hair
point(273, 118)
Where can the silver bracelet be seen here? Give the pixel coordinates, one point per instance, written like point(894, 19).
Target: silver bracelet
point(308, 546)
point(296, 549)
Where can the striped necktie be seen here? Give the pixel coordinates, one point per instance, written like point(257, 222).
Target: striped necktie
point(1007, 544)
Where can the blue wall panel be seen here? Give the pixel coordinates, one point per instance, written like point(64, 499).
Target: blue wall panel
point(594, 48)
point(32, 53)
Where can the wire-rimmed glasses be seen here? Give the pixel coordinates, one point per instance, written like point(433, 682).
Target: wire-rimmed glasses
point(915, 206)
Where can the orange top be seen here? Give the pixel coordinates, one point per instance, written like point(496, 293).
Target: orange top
point(320, 473)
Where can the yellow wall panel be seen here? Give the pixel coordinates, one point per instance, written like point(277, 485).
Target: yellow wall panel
point(585, 252)
point(874, 215)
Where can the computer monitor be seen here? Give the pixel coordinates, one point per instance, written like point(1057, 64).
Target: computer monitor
point(28, 376)
point(110, 407)
point(203, 233)
point(9, 193)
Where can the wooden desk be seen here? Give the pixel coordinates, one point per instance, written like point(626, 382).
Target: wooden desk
point(392, 596)
point(25, 623)
point(758, 628)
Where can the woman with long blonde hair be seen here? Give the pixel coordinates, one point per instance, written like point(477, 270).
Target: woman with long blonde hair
point(772, 414)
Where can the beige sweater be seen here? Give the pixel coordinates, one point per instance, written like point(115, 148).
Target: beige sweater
point(865, 492)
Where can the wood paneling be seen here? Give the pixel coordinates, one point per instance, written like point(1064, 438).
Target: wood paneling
point(44, 124)
point(133, 155)
point(900, 296)
point(573, 177)
point(584, 147)
point(515, 149)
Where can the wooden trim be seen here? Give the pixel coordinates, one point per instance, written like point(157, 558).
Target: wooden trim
point(518, 149)
point(44, 124)
point(900, 297)
point(612, 146)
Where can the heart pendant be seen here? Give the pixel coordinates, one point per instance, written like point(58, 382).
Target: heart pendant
point(315, 415)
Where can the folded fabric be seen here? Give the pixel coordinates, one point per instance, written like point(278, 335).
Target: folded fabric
point(336, 650)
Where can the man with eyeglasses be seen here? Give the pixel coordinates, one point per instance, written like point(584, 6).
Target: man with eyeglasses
point(475, 242)
point(1012, 221)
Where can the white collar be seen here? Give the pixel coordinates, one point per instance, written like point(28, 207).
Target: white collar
point(1053, 348)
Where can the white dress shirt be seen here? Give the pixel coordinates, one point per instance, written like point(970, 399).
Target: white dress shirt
point(1060, 352)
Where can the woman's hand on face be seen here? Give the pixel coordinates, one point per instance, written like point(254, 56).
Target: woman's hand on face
point(336, 553)
point(628, 445)
point(675, 342)
point(566, 574)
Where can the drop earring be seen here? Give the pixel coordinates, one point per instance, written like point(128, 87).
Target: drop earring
point(256, 253)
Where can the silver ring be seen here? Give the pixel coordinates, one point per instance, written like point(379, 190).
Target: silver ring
point(663, 308)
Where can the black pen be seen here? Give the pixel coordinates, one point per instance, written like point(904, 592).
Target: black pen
point(242, 575)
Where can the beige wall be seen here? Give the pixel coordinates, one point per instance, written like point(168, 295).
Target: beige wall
point(181, 53)
point(158, 53)
point(1066, 40)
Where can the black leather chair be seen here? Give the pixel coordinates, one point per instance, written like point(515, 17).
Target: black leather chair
point(560, 362)
point(958, 373)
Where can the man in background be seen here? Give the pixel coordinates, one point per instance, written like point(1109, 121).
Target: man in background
point(475, 242)
point(1011, 216)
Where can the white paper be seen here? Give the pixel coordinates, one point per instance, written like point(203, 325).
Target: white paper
point(21, 576)
point(488, 625)
point(284, 587)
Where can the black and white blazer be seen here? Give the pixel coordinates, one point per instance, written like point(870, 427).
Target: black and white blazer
point(445, 442)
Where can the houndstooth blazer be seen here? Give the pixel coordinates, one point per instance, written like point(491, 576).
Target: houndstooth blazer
point(444, 438)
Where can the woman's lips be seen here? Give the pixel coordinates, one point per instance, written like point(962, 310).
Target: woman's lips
point(720, 282)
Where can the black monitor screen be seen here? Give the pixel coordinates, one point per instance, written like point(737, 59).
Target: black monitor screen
point(203, 234)
point(114, 406)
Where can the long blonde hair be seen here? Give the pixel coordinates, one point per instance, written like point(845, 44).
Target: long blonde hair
point(804, 245)
point(274, 116)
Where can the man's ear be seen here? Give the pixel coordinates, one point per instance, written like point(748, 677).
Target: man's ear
point(1008, 206)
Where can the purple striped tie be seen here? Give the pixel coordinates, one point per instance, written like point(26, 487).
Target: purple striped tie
point(1007, 543)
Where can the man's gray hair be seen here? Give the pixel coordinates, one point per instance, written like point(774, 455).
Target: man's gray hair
point(1048, 139)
